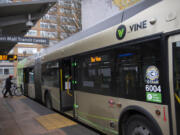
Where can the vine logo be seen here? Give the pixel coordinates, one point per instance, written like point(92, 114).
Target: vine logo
point(121, 32)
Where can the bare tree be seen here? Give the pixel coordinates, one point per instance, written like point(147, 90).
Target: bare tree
point(69, 21)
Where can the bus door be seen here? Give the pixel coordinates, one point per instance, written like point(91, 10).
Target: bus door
point(66, 87)
point(25, 80)
point(37, 80)
point(174, 81)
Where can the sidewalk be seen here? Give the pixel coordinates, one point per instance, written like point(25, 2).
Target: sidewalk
point(20, 115)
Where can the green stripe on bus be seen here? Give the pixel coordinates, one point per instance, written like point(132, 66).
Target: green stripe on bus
point(98, 117)
point(98, 126)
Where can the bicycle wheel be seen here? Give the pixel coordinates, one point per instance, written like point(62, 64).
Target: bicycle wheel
point(3, 91)
point(17, 92)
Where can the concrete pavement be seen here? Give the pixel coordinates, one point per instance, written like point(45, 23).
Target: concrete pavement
point(18, 116)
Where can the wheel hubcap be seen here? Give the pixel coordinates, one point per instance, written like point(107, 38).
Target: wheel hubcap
point(141, 131)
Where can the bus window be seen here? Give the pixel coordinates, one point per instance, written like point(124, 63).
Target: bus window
point(50, 74)
point(95, 73)
point(31, 76)
point(128, 73)
point(131, 67)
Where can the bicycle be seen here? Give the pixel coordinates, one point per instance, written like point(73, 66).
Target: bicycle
point(16, 91)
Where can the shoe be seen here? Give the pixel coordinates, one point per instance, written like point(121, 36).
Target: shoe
point(5, 96)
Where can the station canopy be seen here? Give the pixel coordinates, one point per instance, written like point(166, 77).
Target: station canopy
point(14, 18)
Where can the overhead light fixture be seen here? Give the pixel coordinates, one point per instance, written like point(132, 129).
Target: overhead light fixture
point(29, 23)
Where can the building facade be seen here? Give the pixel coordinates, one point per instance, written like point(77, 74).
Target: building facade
point(102, 10)
point(61, 21)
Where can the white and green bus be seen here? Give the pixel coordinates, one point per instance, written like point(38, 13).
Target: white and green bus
point(121, 76)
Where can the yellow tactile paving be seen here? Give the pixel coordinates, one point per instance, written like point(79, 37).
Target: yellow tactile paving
point(54, 121)
point(18, 97)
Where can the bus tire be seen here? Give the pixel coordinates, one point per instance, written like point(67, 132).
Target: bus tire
point(48, 101)
point(140, 125)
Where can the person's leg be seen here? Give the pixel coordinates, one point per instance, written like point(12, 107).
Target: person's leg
point(10, 93)
point(6, 91)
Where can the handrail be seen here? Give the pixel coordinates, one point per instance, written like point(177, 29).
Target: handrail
point(61, 79)
point(68, 86)
point(177, 98)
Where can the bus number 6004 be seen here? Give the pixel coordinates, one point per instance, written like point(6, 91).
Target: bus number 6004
point(153, 88)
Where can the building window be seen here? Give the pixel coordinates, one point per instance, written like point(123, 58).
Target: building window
point(48, 25)
point(27, 50)
point(66, 3)
point(63, 35)
point(53, 9)
point(1, 71)
point(32, 33)
point(53, 26)
point(49, 17)
point(69, 27)
point(6, 71)
point(48, 34)
point(65, 11)
point(66, 19)
point(5, 1)
point(11, 71)
point(44, 25)
point(70, 3)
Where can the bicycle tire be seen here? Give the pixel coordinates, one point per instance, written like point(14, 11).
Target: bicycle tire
point(3, 91)
point(17, 92)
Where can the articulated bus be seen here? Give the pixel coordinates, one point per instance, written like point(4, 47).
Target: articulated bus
point(121, 76)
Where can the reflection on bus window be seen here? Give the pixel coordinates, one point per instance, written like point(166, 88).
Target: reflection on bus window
point(95, 72)
point(176, 50)
point(132, 63)
point(176, 79)
point(31, 76)
point(50, 74)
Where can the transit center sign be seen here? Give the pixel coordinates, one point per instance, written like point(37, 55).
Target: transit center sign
point(15, 39)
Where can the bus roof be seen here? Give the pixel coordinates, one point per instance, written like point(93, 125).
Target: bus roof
point(114, 20)
point(144, 19)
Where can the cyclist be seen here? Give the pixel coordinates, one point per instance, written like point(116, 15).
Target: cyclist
point(8, 86)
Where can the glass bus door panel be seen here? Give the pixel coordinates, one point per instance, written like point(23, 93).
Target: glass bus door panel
point(37, 80)
point(174, 63)
point(66, 101)
point(31, 88)
point(176, 78)
point(26, 77)
point(66, 88)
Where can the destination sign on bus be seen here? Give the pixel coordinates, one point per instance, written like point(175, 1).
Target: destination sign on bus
point(8, 57)
point(96, 59)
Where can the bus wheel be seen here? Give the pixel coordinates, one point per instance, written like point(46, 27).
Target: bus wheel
point(48, 101)
point(139, 125)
